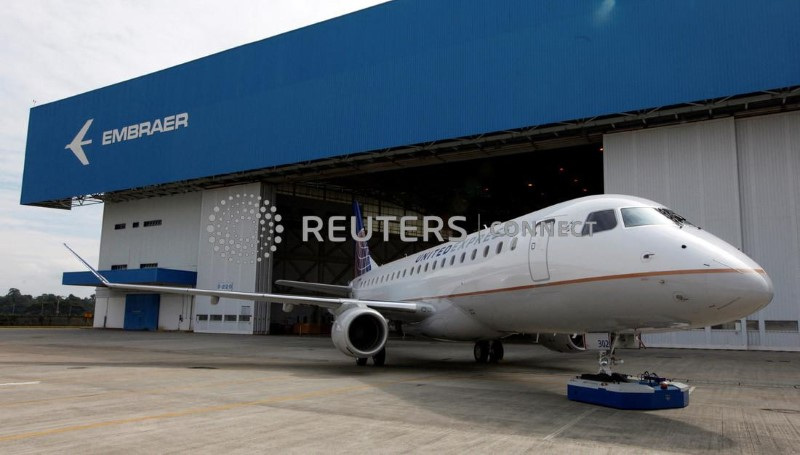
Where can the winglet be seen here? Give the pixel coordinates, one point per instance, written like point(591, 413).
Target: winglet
point(91, 269)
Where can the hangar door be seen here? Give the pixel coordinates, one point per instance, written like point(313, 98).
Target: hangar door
point(141, 311)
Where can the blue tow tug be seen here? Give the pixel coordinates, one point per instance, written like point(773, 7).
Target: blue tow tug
point(622, 391)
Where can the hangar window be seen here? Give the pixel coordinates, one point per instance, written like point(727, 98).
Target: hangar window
point(152, 223)
point(135, 224)
point(725, 326)
point(780, 326)
point(119, 226)
point(119, 267)
point(216, 317)
point(202, 317)
point(513, 244)
point(499, 247)
point(599, 221)
point(244, 318)
point(486, 251)
point(230, 318)
point(474, 252)
point(463, 256)
point(149, 265)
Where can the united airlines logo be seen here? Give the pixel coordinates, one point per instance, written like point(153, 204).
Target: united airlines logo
point(126, 133)
point(244, 228)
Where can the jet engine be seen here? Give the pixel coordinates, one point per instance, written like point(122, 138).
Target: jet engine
point(360, 332)
point(562, 342)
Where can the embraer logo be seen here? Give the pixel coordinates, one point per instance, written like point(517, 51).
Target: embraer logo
point(127, 133)
point(77, 144)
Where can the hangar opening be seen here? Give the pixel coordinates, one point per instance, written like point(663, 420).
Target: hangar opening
point(481, 189)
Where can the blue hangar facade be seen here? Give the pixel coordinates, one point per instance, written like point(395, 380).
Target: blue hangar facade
point(694, 104)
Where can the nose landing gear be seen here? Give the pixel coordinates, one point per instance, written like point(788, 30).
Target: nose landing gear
point(622, 391)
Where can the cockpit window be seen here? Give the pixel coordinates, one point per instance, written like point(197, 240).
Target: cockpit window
point(600, 221)
point(646, 216)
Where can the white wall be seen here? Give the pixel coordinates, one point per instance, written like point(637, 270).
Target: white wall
point(175, 312)
point(229, 250)
point(769, 154)
point(738, 179)
point(109, 309)
point(172, 245)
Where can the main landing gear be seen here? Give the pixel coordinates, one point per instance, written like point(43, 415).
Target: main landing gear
point(378, 359)
point(488, 351)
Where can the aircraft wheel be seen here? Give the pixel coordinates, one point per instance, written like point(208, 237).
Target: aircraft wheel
point(481, 351)
point(379, 359)
point(361, 361)
point(496, 351)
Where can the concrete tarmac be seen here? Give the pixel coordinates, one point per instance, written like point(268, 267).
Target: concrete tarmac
point(105, 391)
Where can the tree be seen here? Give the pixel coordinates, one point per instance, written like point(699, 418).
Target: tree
point(13, 295)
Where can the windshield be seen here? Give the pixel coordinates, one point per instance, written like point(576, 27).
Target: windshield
point(645, 216)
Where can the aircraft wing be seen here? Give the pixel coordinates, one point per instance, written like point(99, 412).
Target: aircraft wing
point(409, 311)
point(331, 289)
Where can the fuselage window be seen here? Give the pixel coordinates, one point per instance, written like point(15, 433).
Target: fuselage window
point(452, 259)
point(426, 266)
point(411, 271)
point(472, 256)
point(513, 244)
point(499, 247)
point(419, 267)
point(443, 261)
point(404, 273)
point(599, 221)
point(486, 251)
point(434, 265)
point(463, 255)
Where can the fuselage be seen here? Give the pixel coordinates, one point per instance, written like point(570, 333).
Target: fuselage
point(607, 263)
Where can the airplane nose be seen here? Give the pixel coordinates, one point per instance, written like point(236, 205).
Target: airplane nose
point(762, 290)
point(750, 288)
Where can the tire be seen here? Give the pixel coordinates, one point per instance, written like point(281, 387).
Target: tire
point(481, 351)
point(496, 351)
point(361, 361)
point(379, 359)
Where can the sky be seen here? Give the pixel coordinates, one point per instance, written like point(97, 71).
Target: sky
point(51, 50)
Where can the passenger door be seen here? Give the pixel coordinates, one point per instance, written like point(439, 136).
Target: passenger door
point(537, 253)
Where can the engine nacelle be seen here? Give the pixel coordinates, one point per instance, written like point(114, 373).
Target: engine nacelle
point(360, 332)
point(562, 342)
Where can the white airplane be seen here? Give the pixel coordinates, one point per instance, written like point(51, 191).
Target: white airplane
point(609, 264)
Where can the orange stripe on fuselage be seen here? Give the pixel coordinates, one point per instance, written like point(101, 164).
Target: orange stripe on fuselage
point(623, 276)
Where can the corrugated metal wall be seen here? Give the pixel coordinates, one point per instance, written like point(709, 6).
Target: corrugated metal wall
point(738, 179)
point(769, 163)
